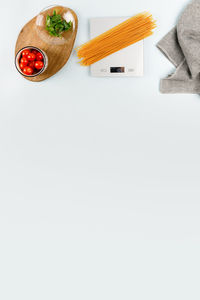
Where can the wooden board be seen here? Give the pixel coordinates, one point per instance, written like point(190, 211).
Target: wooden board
point(57, 49)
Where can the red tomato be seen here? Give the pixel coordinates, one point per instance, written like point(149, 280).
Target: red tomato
point(28, 71)
point(39, 56)
point(31, 64)
point(34, 51)
point(25, 52)
point(21, 66)
point(24, 61)
point(39, 64)
point(31, 56)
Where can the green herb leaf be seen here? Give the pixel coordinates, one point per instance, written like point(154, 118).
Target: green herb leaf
point(55, 24)
point(48, 21)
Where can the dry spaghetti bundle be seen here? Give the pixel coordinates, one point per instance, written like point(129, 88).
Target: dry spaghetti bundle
point(121, 36)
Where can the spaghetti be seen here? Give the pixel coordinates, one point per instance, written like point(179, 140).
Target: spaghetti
point(119, 37)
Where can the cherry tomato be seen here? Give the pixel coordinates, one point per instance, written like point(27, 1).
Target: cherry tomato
point(21, 66)
point(31, 64)
point(39, 56)
point(34, 51)
point(25, 52)
point(24, 61)
point(28, 71)
point(39, 64)
point(31, 56)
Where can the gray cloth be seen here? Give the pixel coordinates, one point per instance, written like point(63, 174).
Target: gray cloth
point(182, 47)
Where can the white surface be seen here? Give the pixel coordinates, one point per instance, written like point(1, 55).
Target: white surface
point(100, 178)
point(131, 58)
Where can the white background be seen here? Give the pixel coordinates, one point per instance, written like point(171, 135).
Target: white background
point(99, 178)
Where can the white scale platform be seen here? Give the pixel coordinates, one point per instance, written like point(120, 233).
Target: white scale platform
point(124, 63)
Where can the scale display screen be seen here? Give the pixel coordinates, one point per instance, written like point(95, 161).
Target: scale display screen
point(117, 70)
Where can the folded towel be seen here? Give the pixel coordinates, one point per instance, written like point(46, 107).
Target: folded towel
point(182, 47)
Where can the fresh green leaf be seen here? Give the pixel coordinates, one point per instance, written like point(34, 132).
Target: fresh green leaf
point(48, 20)
point(55, 24)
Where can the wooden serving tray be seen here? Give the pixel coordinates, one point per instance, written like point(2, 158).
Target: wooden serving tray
point(57, 49)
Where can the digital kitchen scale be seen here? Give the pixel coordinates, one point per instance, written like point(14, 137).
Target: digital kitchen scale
point(126, 62)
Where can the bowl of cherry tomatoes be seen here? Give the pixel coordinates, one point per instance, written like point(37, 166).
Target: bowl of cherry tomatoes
point(31, 61)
